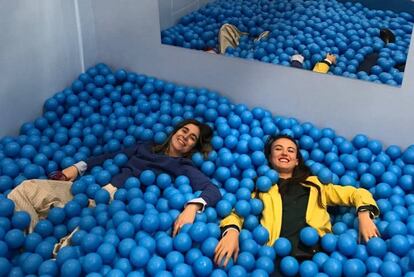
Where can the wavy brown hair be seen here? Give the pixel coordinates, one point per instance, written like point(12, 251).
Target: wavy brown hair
point(203, 142)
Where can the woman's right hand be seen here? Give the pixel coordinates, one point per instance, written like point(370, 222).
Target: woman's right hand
point(71, 173)
point(227, 247)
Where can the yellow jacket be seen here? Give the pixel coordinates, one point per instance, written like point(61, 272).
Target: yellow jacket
point(321, 67)
point(320, 197)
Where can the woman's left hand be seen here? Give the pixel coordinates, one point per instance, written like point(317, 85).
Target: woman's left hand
point(186, 217)
point(367, 227)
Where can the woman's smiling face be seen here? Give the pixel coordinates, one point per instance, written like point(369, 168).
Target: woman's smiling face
point(184, 140)
point(284, 157)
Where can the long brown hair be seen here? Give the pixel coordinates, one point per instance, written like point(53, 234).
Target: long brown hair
point(203, 142)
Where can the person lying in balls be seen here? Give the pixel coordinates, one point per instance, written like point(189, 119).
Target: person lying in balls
point(299, 200)
point(172, 157)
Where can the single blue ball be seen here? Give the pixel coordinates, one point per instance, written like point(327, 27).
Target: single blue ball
point(71, 267)
point(332, 267)
point(246, 260)
point(309, 236)
point(139, 256)
point(373, 263)
point(282, 247)
point(243, 208)
point(182, 242)
point(48, 267)
point(391, 269)
point(289, 266)
point(14, 238)
point(399, 245)
point(155, 265)
point(125, 230)
point(263, 183)
point(208, 246)
point(346, 244)
point(203, 266)
point(256, 206)
point(150, 223)
point(354, 267)
point(92, 262)
point(6, 183)
point(260, 235)
point(396, 228)
point(182, 269)
point(107, 252)
point(20, 220)
point(308, 269)
point(198, 232)
point(31, 263)
point(329, 242)
point(236, 270)
point(45, 249)
point(147, 177)
point(90, 242)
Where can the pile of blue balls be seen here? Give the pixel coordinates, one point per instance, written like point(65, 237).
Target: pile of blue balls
point(104, 110)
point(310, 28)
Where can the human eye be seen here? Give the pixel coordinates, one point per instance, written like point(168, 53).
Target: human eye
point(277, 148)
point(291, 150)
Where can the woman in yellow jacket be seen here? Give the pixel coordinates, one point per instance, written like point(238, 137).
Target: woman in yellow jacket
point(299, 200)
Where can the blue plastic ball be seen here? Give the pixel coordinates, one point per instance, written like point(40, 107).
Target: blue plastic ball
point(308, 269)
point(182, 242)
point(282, 247)
point(92, 263)
point(155, 265)
point(391, 269)
point(289, 266)
point(20, 220)
point(309, 236)
point(139, 256)
point(70, 268)
point(203, 266)
point(14, 238)
point(332, 267)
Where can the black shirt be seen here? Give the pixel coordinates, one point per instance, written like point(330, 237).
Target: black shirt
point(294, 205)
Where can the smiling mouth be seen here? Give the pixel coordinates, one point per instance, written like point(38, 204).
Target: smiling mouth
point(181, 141)
point(283, 160)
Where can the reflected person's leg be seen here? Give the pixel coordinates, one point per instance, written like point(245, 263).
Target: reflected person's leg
point(37, 196)
point(229, 36)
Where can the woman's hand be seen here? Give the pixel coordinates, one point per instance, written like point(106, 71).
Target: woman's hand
point(187, 216)
point(71, 173)
point(367, 228)
point(227, 247)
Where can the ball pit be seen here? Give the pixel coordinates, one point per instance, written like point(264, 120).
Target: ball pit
point(311, 28)
point(131, 235)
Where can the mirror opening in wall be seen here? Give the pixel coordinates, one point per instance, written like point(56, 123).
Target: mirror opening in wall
point(366, 40)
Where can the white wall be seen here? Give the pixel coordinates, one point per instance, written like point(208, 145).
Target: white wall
point(172, 10)
point(39, 55)
point(346, 105)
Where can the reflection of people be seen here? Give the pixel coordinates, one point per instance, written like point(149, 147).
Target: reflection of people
point(387, 36)
point(321, 66)
point(229, 36)
point(37, 196)
point(297, 201)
